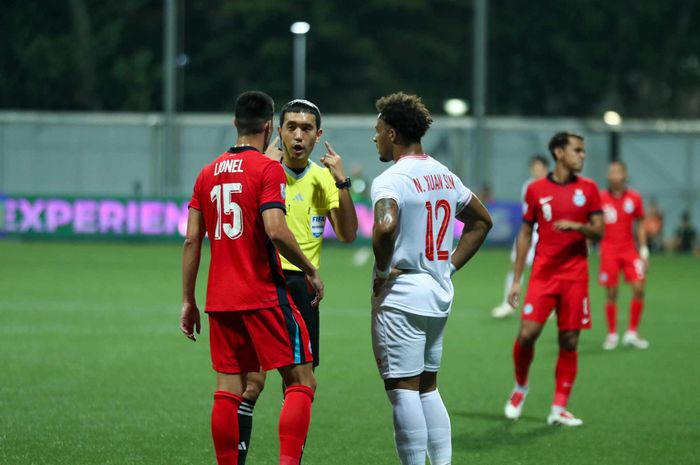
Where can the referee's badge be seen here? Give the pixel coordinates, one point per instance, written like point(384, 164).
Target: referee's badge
point(318, 224)
point(579, 199)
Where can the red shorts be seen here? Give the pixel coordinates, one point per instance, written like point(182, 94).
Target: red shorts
point(568, 298)
point(629, 263)
point(248, 341)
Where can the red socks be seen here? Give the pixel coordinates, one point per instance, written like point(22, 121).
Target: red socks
point(224, 427)
point(522, 358)
point(294, 423)
point(636, 307)
point(565, 374)
point(611, 316)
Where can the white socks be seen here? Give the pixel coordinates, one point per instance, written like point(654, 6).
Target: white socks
point(421, 425)
point(410, 431)
point(439, 430)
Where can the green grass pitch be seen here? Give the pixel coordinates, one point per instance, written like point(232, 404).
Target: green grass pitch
point(95, 371)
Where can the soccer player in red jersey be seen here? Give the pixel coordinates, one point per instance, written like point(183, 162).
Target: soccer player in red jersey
point(623, 209)
point(566, 208)
point(238, 200)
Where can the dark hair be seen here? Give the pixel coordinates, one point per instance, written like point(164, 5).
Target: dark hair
point(406, 114)
point(619, 162)
point(300, 106)
point(537, 158)
point(252, 110)
point(560, 140)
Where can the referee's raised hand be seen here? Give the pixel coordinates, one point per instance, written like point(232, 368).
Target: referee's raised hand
point(274, 151)
point(333, 162)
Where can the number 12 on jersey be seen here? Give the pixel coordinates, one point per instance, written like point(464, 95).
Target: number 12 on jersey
point(430, 243)
point(225, 202)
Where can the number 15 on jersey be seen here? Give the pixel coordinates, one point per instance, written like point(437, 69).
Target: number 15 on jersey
point(222, 196)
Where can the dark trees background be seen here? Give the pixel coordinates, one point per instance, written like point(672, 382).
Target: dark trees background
point(573, 58)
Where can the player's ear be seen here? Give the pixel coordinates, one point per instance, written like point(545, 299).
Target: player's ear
point(319, 133)
point(392, 135)
point(558, 153)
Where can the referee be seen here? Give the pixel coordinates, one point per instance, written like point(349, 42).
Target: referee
point(314, 194)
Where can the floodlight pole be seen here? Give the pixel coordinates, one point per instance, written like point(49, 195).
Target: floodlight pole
point(299, 30)
point(479, 88)
point(169, 159)
point(614, 141)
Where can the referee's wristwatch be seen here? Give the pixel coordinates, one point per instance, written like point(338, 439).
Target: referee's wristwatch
point(345, 184)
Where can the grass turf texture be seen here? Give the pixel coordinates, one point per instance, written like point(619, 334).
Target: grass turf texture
point(95, 370)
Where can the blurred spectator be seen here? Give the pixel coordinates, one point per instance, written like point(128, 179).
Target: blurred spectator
point(685, 235)
point(653, 224)
point(360, 187)
point(486, 196)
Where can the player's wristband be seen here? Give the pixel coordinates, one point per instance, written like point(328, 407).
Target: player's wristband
point(644, 252)
point(382, 274)
point(453, 269)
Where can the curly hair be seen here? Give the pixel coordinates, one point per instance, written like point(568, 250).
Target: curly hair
point(406, 114)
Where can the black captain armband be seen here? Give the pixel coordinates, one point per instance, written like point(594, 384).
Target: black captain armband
point(344, 184)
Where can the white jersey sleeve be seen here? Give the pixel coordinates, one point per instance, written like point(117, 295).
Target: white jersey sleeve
point(387, 187)
point(464, 195)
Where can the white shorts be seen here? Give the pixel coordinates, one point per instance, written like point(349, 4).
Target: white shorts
point(405, 344)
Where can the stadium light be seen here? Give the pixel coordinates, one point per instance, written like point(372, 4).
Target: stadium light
point(300, 29)
point(612, 118)
point(455, 107)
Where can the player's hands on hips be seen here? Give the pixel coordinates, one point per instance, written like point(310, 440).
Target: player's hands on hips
point(274, 152)
point(566, 225)
point(514, 295)
point(380, 282)
point(317, 284)
point(189, 320)
point(333, 162)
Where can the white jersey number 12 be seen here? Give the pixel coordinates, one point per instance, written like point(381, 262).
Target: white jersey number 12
point(430, 243)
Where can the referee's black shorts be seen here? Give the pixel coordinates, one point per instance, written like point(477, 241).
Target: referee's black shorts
point(302, 295)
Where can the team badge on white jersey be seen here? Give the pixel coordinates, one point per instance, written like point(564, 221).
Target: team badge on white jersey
point(579, 199)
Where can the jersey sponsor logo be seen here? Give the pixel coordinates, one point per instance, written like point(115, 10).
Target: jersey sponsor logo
point(298, 198)
point(628, 206)
point(527, 309)
point(318, 224)
point(544, 200)
point(579, 199)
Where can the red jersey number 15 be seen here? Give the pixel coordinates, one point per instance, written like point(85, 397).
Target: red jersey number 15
point(222, 196)
point(430, 243)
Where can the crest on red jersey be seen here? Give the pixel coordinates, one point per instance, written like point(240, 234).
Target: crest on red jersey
point(579, 198)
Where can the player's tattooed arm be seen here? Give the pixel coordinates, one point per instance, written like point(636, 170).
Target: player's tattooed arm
point(386, 220)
